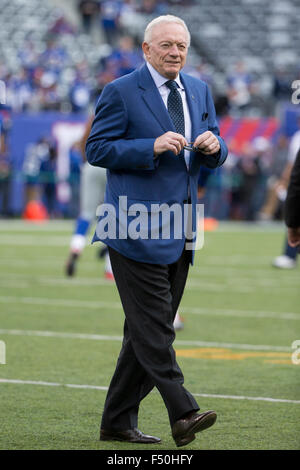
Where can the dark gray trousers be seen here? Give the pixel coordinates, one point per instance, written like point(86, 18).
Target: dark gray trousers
point(150, 295)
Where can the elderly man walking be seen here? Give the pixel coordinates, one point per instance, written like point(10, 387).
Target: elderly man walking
point(153, 130)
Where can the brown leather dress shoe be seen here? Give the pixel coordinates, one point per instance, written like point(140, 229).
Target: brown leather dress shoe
point(184, 430)
point(130, 435)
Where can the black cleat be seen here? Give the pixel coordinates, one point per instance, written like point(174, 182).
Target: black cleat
point(70, 267)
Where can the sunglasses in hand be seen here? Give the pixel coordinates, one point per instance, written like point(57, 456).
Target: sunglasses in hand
point(190, 147)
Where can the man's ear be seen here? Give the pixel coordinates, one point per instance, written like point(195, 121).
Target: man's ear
point(145, 47)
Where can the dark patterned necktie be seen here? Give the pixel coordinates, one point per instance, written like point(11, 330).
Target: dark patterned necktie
point(175, 107)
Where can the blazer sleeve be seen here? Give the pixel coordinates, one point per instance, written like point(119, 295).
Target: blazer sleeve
point(107, 145)
point(292, 202)
point(217, 159)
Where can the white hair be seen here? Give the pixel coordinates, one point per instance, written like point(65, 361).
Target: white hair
point(165, 19)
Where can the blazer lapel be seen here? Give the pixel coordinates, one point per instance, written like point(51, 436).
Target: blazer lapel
point(153, 100)
point(191, 98)
point(193, 106)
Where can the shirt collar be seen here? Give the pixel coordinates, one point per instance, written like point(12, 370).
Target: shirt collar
point(159, 80)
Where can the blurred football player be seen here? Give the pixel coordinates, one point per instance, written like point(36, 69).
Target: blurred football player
point(92, 187)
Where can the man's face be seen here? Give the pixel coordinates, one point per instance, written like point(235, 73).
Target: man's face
point(167, 50)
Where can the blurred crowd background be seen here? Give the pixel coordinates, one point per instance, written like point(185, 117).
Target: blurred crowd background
point(56, 57)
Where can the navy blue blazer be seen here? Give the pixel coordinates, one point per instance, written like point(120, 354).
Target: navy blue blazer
point(130, 115)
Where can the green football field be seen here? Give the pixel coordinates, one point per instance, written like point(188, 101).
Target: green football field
point(62, 338)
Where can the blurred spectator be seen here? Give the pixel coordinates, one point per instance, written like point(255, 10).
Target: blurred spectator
point(35, 154)
point(239, 89)
point(273, 203)
point(62, 26)
point(210, 192)
point(221, 105)
point(4, 184)
point(231, 186)
point(19, 90)
point(4, 167)
point(202, 72)
point(47, 179)
point(28, 55)
point(252, 172)
point(106, 75)
point(279, 155)
point(261, 153)
point(181, 2)
point(281, 85)
point(110, 12)
point(47, 92)
point(89, 11)
point(37, 83)
point(79, 95)
point(54, 57)
point(151, 7)
point(125, 58)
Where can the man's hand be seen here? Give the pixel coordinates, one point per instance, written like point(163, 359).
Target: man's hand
point(207, 143)
point(169, 141)
point(294, 236)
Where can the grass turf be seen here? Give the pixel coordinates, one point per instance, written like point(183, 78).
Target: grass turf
point(245, 313)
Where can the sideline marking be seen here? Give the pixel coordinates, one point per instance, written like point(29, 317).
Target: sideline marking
point(97, 387)
point(96, 304)
point(234, 284)
point(96, 337)
point(227, 354)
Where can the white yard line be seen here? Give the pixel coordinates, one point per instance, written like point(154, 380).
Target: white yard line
point(225, 268)
point(239, 285)
point(98, 304)
point(66, 225)
point(37, 235)
point(28, 240)
point(46, 226)
point(191, 286)
point(97, 387)
point(92, 304)
point(96, 337)
point(217, 266)
point(241, 313)
point(56, 334)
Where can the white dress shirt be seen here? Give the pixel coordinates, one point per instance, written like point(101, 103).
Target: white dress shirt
point(294, 146)
point(164, 91)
